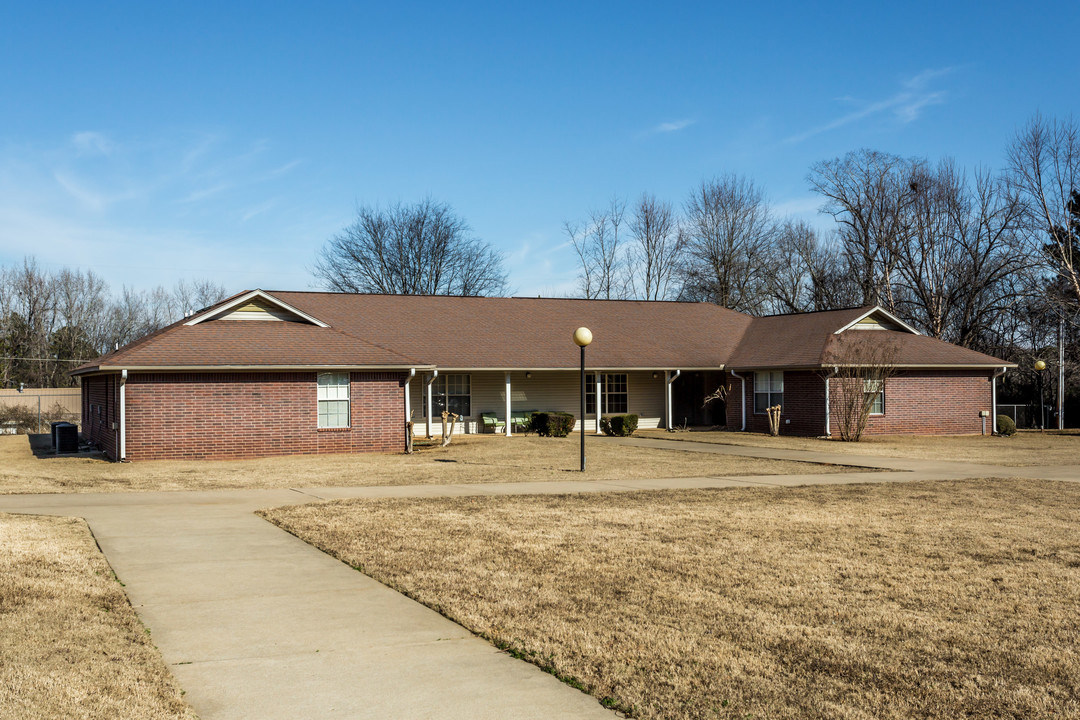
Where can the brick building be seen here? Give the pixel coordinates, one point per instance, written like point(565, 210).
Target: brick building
point(278, 373)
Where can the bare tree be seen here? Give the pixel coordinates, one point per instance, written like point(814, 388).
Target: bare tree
point(867, 192)
point(656, 251)
point(958, 252)
point(420, 249)
point(729, 233)
point(862, 364)
point(1044, 170)
point(600, 252)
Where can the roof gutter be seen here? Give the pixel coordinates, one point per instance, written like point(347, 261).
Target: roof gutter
point(743, 393)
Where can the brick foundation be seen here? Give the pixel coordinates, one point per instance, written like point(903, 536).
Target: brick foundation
point(244, 415)
point(917, 402)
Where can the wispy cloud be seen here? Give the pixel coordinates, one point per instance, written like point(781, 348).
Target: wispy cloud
point(673, 126)
point(905, 105)
point(92, 143)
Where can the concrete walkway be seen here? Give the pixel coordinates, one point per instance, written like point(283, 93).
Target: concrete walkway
point(255, 623)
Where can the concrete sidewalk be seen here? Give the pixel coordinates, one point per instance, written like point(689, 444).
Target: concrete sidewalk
point(255, 623)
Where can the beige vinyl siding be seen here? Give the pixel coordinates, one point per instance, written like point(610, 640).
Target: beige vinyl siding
point(543, 391)
point(258, 310)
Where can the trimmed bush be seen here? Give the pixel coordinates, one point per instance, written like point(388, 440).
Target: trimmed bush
point(619, 425)
point(552, 424)
point(1005, 425)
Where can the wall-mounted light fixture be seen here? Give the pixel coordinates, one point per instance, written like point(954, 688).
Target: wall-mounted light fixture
point(528, 374)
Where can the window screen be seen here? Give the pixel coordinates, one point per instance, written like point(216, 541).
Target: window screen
point(334, 400)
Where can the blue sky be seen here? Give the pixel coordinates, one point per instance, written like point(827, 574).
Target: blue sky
point(154, 141)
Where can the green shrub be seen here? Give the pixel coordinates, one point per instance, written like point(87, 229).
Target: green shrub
point(1005, 425)
point(552, 424)
point(619, 425)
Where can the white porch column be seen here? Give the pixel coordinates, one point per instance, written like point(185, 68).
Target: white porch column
point(599, 403)
point(427, 384)
point(507, 404)
point(668, 379)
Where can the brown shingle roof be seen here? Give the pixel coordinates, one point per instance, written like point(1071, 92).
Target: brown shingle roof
point(532, 333)
point(244, 343)
point(516, 333)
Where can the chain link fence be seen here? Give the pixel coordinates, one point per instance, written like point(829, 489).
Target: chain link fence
point(32, 410)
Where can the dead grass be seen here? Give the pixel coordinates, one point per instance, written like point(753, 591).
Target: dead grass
point(70, 644)
point(470, 459)
point(899, 600)
point(1026, 448)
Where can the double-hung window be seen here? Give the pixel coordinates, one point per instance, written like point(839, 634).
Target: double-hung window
point(768, 390)
point(875, 394)
point(613, 391)
point(334, 400)
point(452, 393)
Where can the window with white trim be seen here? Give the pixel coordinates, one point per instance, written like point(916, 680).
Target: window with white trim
point(768, 390)
point(613, 390)
point(333, 397)
point(452, 393)
point(877, 389)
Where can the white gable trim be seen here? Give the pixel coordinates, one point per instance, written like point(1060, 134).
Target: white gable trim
point(246, 297)
point(877, 309)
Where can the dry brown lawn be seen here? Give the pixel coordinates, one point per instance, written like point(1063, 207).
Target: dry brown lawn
point(70, 644)
point(900, 600)
point(469, 459)
point(1023, 449)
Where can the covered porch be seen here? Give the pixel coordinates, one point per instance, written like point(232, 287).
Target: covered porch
point(661, 398)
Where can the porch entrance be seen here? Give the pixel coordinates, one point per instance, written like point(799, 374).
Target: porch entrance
point(688, 395)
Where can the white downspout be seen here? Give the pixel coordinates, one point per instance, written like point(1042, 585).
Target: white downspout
point(993, 398)
point(828, 403)
point(430, 380)
point(740, 377)
point(508, 405)
point(408, 396)
point(599, 403)
point(123, 416)
point(668, 379)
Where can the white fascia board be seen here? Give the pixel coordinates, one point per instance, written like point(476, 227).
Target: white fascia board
point(577, 368)
point(253, 368)
point(209, 314)
point(883, 311)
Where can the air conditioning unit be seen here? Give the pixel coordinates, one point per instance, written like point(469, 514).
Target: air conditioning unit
point(65, 437)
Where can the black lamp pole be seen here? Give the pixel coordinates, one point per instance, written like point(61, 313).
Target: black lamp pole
point(582, 337)
point(582, 408)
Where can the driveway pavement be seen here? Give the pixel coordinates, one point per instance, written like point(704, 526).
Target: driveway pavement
point(255, 623)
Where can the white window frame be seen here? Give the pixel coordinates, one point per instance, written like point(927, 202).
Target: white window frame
point(765, 383)
point(331, 387)
point(877, 387)
point(607, 380)
point(440, 392)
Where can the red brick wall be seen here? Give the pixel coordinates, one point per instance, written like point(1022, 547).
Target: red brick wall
point(917, 402)
point(100, 409)
point(803, 410)
point(933, 402)
point(239, 415)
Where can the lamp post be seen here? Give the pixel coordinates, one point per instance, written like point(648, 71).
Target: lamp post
point(582, 337)
point(1039, 367)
